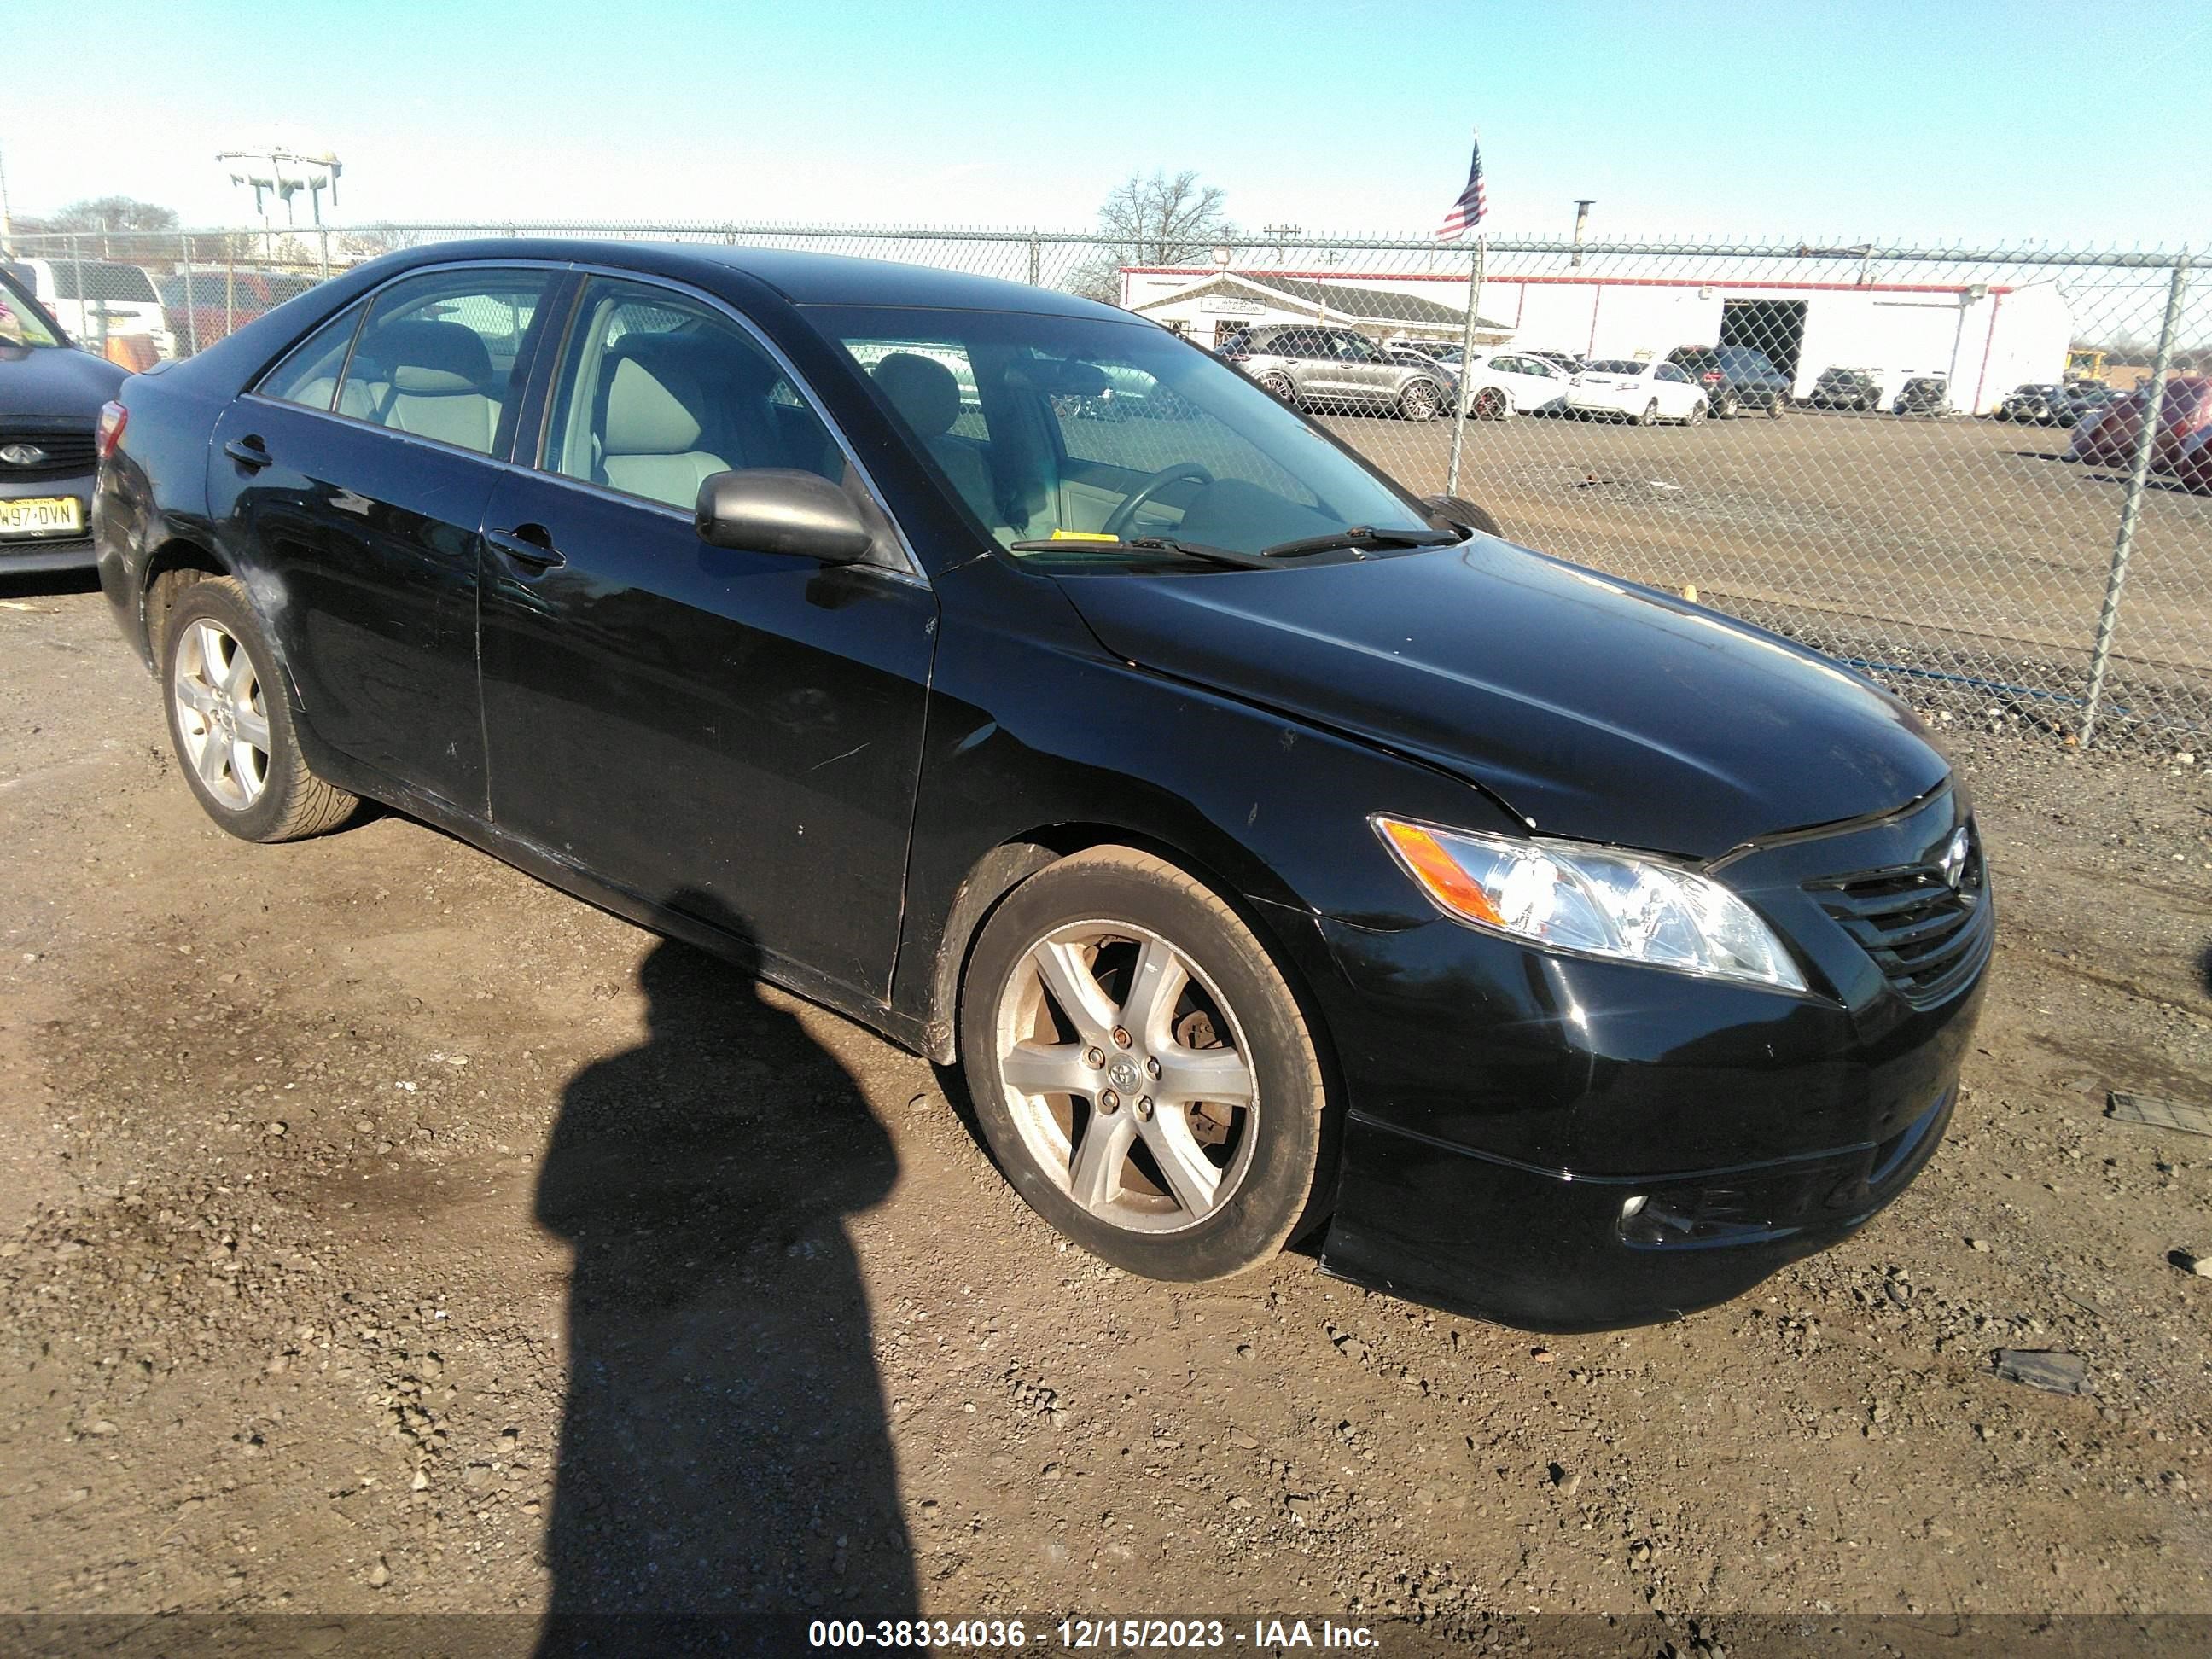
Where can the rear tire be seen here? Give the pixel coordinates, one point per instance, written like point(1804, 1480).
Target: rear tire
point(1650, 414)
point(1774, 410)
point(1131, 1159)
point(1489, 404)
point(1417, 402)
point(1697, 413)
point(1726, 409)
point(1278, 384)
point(231, 724)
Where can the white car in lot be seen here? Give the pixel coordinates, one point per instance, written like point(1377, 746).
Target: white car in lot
point(1506, 382)
point(1647, 393)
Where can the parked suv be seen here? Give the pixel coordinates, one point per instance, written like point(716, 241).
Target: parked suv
point(97, 300)
point(1847, 388)
point(1925, 394)
point(1735, 379)
point(1335, 369)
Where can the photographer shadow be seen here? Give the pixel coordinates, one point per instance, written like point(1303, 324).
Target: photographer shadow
point(724, 1446)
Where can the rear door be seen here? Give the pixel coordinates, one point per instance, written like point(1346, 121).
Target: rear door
point(355, 475)
point(734, 734)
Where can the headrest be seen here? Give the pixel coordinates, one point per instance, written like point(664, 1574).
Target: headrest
point(434, 359)
point(922, 389)
point(654, 401)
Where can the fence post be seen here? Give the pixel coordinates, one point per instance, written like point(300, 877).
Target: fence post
point(1033, 252)
point(191, 311)
point(2108, 619)
point(1466, 352)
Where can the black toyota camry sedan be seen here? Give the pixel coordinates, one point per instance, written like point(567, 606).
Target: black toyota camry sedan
point(1276, 854)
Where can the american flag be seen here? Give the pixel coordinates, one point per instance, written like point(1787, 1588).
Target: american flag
point(1467, 212)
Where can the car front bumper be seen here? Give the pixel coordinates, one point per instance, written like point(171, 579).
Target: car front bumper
point(1564, 1144)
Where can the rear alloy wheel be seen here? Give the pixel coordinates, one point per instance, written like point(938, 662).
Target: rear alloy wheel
point(1141, 1070)
point(1650, 414)
point(1417, 402)
point(231, 725)
point(1278, 384)
point(1488, 406)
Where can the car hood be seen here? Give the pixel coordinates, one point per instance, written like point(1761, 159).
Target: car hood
point(47, 382)
point(1596, 708)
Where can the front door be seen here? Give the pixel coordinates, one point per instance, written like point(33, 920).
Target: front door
point(358, 471)
point(733, 734)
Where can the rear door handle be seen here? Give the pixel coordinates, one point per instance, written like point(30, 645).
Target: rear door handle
point(249, 452)
point(527, 543)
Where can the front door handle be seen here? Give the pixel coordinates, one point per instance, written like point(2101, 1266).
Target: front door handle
point(249, 452)
point(527, 543)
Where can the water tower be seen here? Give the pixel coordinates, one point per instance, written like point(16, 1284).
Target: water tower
point(281, 165)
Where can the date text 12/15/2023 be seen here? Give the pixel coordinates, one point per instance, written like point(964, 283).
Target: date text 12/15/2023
point(1256, 1636)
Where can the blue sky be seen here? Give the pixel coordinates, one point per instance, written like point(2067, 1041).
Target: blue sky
point(1928, 120)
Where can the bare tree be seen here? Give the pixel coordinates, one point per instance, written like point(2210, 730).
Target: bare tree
point(107, 215)
point(1164, 219)
point(370, 240)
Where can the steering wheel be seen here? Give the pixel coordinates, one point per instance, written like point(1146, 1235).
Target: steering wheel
point(1119, 520)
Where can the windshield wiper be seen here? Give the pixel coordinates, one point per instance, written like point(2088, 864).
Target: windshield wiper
point(1149, 544)
point(1361, 536)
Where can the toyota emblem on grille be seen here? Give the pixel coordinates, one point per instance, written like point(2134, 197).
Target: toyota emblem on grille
point(1952, 864)
point(23, 454)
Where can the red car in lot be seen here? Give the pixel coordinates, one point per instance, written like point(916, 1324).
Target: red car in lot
point(2110, 439)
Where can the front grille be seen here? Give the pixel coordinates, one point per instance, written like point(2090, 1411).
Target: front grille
point(1927, 936)
point(66, 452)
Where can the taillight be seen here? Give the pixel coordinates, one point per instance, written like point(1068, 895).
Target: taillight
point(1712, 377)
point(113, 417)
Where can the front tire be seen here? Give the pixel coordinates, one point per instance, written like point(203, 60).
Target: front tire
point(231, 725)
point(1141, 1070)
point(1725, 410)
point(1417, 402)
point(1278, 385)
point(1697, 413)
point(1650, 414)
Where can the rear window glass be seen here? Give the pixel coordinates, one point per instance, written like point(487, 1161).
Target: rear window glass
point(125, 283)
point(1617, 366)
point(1744, 361)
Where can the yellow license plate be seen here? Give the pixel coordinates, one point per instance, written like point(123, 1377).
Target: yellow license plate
point(42, 515)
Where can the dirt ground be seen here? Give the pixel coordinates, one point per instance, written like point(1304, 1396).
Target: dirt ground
point(381, 1229)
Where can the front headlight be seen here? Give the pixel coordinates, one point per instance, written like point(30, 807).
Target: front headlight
point(1593, 901)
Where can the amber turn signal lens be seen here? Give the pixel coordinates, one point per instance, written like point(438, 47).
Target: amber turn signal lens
point(1439, 872)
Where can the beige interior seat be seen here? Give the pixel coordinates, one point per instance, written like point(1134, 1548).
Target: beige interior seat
point(927, 398)
point(651, 424)
point(438, 383)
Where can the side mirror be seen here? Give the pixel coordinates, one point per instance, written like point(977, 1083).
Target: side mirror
point(773, 510)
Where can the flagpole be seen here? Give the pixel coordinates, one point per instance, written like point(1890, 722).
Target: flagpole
point(1465, 363)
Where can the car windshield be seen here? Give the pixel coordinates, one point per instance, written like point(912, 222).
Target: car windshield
point(22, 322)
point(1076, 431)
point(1617, 366)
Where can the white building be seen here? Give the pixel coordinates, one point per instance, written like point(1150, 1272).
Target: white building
point(1210, 306)
point(1983, 337)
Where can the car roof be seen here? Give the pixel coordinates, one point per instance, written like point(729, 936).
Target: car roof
point(801, 279)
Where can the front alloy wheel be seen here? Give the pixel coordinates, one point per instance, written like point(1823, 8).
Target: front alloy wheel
point(1140, 1068)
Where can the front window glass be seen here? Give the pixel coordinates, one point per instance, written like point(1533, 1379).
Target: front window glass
point(1050, 426)
point(21, 323)
point(437, 356)
point(661, 391)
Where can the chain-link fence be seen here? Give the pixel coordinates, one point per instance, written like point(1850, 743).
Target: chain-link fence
point(1933, 463)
